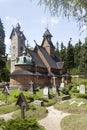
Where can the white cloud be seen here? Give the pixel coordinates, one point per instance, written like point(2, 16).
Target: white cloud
point(84, 27)
point(52, 21)
point(12, 20)
point(44, 21)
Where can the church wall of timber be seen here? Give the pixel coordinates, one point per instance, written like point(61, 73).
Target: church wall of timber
point(24, 67)
point(25, 80)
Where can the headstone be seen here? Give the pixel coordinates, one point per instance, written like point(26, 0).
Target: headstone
point(54, 89)
point(82, 89)
point(38, 102)
point(46, 92)
point(62, 85)
point(31, 87)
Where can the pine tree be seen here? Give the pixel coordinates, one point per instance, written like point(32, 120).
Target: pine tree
point(2, 50)
point(63, 52)
point(70, 55)
point(57, 49)
point(83, 59)
point(77, 53)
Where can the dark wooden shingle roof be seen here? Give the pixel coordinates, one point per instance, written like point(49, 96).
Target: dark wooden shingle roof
point(36, 59)
point(49, 59)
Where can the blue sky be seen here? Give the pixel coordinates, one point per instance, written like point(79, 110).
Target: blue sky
point(34, 20)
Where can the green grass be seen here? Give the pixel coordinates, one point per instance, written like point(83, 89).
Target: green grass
point(10, 98)
point(8, 108)
point(74, 108)
point(74, 122)
point(38, 113)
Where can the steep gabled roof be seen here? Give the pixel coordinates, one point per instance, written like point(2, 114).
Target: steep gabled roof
point(49, 59)
point(19, 33)
point(45, 37)
point(47, 33)
point(49, 42)
point(36, 58)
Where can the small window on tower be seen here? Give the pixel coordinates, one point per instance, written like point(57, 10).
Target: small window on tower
point(13, 47)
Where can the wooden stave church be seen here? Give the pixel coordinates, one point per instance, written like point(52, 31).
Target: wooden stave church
point(39, 65)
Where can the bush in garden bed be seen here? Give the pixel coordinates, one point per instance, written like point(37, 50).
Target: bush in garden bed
point(17, 124)
point(81, 96)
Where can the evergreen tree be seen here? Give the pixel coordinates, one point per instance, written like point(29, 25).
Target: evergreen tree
point(63, 52)
point(2, 50)
point(77, 53)
point(70, 55)
point(83, 59)
point(57, 49)
point(2, 37)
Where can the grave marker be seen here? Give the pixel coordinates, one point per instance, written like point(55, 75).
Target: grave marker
point(6, 92)
point(22, 102)
point(46, 92)
point(31, 87)
point(54, 84)
point(82, 89)
point(62, 85)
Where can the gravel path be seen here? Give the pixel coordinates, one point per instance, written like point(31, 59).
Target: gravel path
point(7, 116)
point(52, 121)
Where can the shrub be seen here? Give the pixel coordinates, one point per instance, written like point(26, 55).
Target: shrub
point(69, 86)
point(81, 95)
point(17, 124)
point(30, 98)
point(32, 107)
point(74, 90)
point(65, 90)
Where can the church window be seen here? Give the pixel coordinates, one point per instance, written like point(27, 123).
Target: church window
point(21, 48)
point(25, 60)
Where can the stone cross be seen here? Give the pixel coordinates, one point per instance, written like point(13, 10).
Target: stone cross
point(54, 84)
point(31, 87)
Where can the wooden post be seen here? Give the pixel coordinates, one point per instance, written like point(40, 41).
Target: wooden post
point(23, 105)
point(6, 98)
